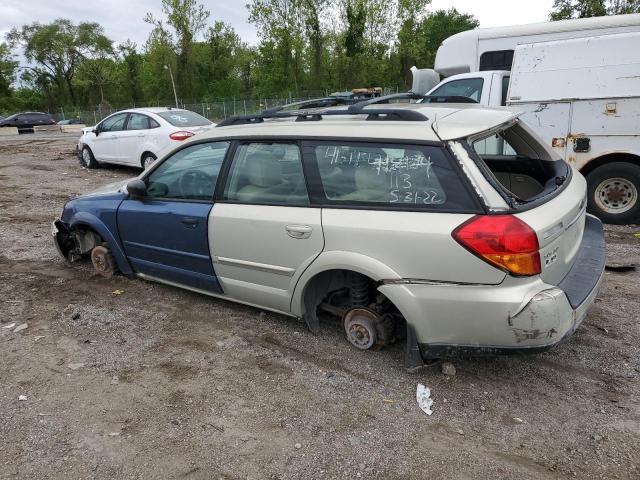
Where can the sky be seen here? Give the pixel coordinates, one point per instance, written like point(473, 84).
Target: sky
point(122, 19)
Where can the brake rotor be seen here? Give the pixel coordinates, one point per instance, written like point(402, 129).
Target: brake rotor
point(103, 261)
point(360, 328)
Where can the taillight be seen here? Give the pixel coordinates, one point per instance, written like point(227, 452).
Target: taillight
point(181, 135)
point(504, 241)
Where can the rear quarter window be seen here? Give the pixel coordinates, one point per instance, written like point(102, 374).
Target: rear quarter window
point(384, 175)
point(184, 118)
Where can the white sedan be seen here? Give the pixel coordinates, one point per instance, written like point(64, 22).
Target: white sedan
point(135, 137)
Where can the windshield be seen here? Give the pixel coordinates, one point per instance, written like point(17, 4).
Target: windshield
point(184, 118)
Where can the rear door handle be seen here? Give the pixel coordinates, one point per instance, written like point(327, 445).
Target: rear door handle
point(299, 231)
point(189, 222)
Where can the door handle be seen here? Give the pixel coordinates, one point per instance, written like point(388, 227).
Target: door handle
point(299, 231)
point(140, 135)
point(189, 222)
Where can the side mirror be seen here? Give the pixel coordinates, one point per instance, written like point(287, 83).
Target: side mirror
point(96, 131)
point(137, 188)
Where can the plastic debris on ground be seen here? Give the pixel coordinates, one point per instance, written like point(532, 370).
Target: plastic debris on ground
point(22, 398)
point(117, 292)
point(19, 328)
point(11, 325)
point(423, 397)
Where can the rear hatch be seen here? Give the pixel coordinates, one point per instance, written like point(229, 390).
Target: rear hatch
point(539, 188)
point(559, 225)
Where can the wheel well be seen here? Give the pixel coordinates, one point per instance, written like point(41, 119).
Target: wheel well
point(86, 238)
point(611, 157)
point(144, 154)
point(322, 284)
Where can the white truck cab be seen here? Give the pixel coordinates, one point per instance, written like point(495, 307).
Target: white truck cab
point(578, 85)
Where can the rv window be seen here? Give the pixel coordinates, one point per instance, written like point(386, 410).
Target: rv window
point(497, 60)
point(465, 87)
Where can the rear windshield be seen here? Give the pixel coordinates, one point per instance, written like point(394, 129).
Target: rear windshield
point(523, 167)
point(184, 118)
point(388, 175)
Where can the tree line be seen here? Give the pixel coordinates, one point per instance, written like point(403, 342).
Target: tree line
point(305, 48)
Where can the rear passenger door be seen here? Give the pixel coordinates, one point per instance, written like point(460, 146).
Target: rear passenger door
point(263, 232)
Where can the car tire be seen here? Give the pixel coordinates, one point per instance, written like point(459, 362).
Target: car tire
point(613, 193)
point(87, 159)
point(147, 160)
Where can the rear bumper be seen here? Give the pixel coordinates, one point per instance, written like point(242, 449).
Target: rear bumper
point(518, 316)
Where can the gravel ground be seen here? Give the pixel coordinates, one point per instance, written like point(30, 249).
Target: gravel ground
point(162, 383)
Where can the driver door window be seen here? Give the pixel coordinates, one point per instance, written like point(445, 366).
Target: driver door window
point(189, 174)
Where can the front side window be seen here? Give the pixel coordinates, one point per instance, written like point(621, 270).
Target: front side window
point(267, 173)
point(466, 87)
point(388, 175)
point(114, 124)
point(189, 174)
point(138, 122)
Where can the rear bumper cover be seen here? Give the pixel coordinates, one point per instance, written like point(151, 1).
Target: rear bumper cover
point(518, 316)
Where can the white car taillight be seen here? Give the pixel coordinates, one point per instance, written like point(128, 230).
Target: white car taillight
point(181, 135)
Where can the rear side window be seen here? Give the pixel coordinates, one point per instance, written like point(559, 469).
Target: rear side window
point(184, 118)
point(268, 174)
point(389, 175)
point(138, 122)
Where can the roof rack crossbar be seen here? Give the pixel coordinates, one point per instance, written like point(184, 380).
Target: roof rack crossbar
point(388, 114)
point(394, 96)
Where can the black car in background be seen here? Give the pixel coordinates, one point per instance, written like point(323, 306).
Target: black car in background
point(27, 120)
point(70, 121)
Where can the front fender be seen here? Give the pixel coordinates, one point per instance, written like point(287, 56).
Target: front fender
point(93, 222)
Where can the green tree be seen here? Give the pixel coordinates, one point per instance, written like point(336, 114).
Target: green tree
point(57, 49)
point(280, 65)
point(567, 9)
point(130, 72)
point(187, 18)
point(437, 27)
point(410, 16)
point(7, 70)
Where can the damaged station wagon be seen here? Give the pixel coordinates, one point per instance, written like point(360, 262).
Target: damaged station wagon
point(388, 217)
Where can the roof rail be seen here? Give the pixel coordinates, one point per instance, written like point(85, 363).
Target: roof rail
point(323, 102)
point(387, 98)
point(388, 114)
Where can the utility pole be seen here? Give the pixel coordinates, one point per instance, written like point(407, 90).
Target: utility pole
point(173, 84)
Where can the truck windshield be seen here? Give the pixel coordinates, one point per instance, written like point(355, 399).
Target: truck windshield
point(525, 169)
point(465, 87)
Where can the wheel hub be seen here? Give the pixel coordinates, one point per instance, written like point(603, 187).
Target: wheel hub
point(360, 328)
point(616, 195)
point(102, 261)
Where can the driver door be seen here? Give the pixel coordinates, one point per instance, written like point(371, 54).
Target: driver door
point(105, 144)
point(164, 234)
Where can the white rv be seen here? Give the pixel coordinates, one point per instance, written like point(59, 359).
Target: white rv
point(578, 84)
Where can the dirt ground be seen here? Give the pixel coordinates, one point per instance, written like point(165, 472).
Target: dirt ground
point(162, 383)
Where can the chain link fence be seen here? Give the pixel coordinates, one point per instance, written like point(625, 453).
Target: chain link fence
point(214, 111)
